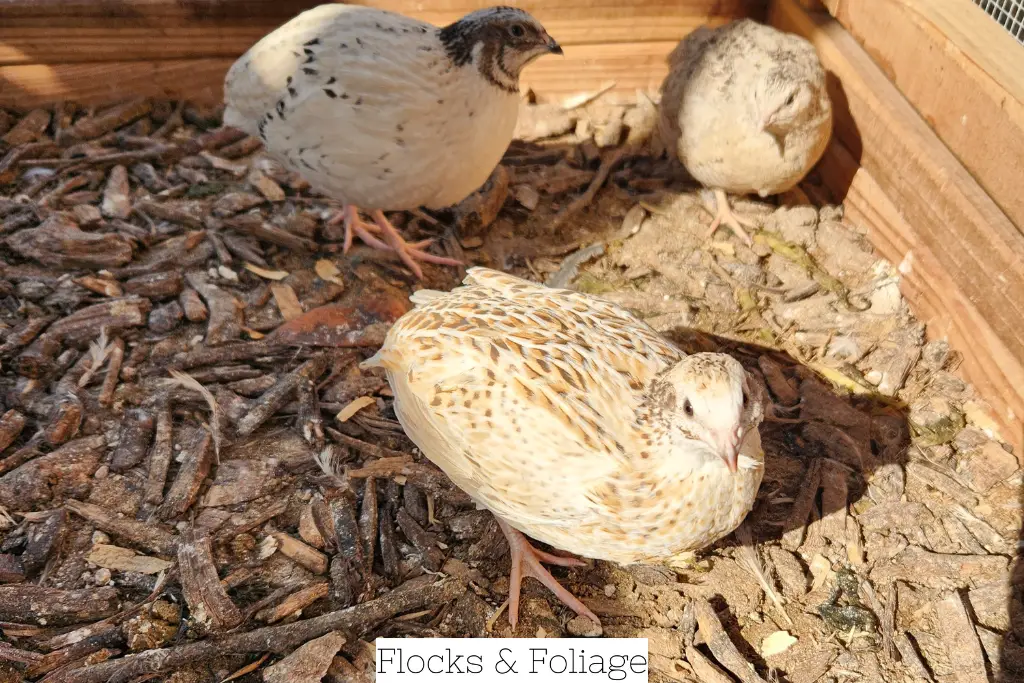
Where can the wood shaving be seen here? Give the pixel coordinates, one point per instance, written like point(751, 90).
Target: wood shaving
point(354, 407)
point(265, 273)
point(287, 301)
point(777, 643)
point(327, 271)
point(125, 560)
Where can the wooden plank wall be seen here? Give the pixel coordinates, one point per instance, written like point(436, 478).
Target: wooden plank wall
point(962, 72)
point(961, 257)
point(98, 51)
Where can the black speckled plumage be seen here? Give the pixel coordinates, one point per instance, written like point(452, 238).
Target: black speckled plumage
point(408, 77)
point(363, 86)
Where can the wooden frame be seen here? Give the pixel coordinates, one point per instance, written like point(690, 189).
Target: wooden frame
point(108, 50)
point(932, 50)
point(961, 257)
point(936, 189)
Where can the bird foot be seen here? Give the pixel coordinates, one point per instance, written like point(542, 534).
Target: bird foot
point(380, 234)
point(727, 217)
point(526, 561)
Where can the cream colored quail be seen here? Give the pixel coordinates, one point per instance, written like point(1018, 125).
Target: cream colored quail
point(745, 109)
point(575, 423)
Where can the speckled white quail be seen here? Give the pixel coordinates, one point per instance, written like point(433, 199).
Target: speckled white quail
point(575, 423)
point(384, 112)
point(745, 109)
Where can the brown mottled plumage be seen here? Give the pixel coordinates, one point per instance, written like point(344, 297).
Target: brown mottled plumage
point(745, 109)
point(574, 422)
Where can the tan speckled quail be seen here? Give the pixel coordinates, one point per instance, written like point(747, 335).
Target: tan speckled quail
point(575, 423)
point(744, 108)
point(384, 112)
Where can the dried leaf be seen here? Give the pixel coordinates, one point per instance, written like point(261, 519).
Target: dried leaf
point(777, 643)
point(253, 334)
point(125, 560)
point(286, 301)
point(328, 272)
point(354, 407)
point(268, 274)
point(364, 322)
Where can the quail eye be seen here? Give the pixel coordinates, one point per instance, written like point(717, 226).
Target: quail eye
point(746, 399)
point(517, 31)
point(790, 99)
point(688, 408)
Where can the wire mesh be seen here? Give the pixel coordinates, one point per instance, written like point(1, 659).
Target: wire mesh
point(1009, 14)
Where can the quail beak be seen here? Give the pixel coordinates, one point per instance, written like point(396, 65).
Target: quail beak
point(767, 127)
point(553, 47)
point(729, 449)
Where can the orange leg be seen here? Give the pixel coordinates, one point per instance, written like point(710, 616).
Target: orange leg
point(380, 234)
point(526, 561)
point(727, 217)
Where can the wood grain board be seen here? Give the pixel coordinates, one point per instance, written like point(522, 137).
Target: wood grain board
point(962, 258)
point(35, 85)
point(101, 51)
point(962, 72)
point(71, 45)
point(189, 12)
point(161, 29)
point(584, 68)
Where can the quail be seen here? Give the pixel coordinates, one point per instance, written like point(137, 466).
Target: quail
point(744, 108)
point(383, 112)
point(574, 423)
